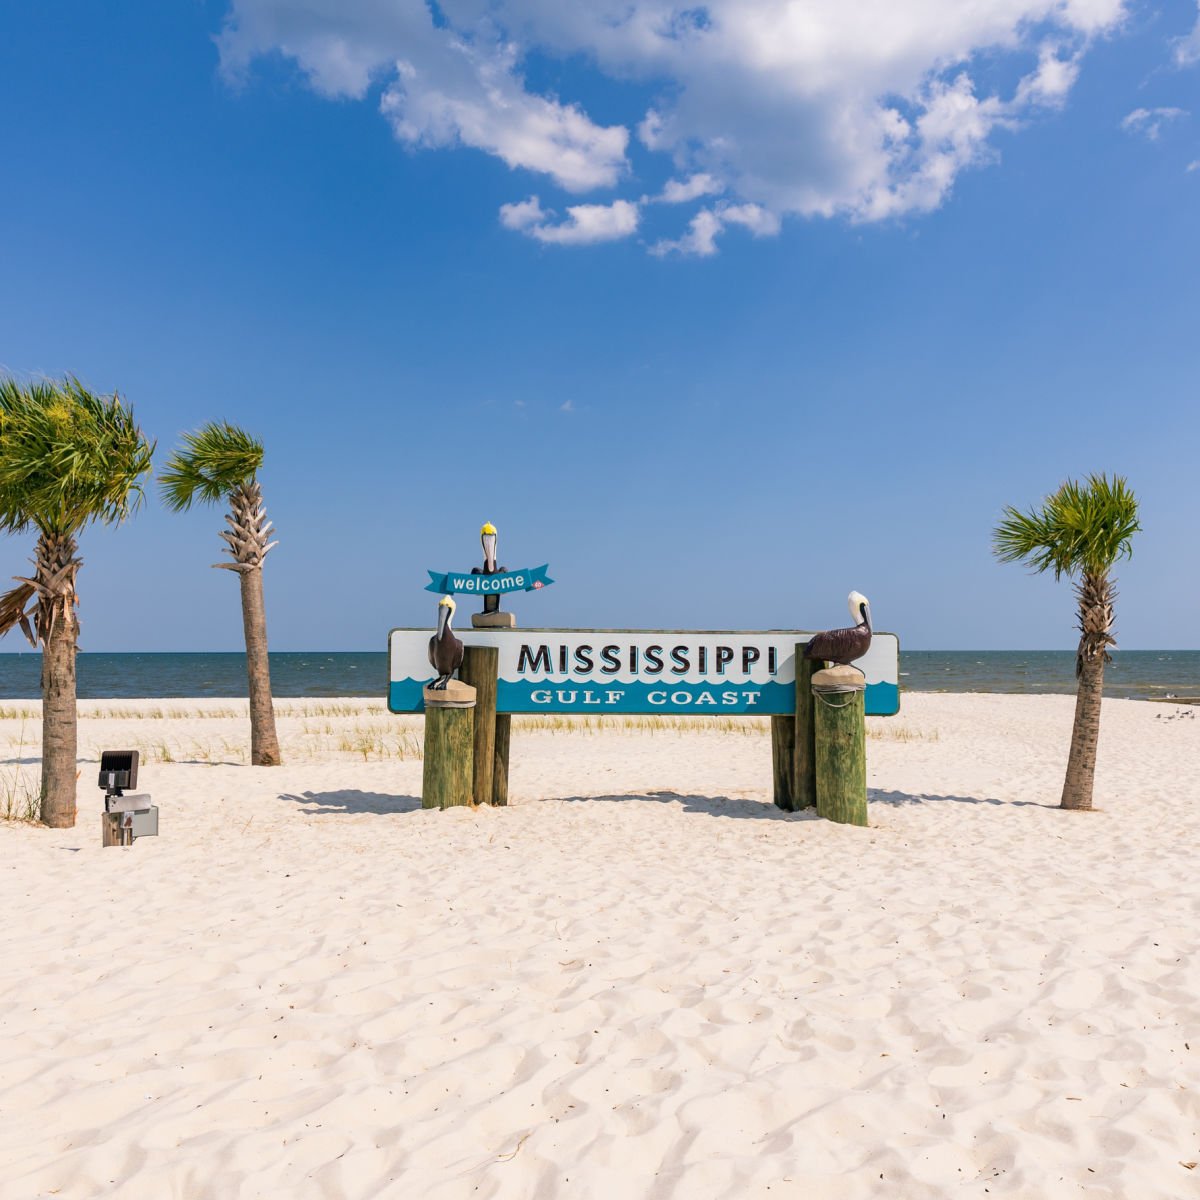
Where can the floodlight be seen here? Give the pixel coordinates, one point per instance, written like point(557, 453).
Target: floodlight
point(125, 816)
point(118, 771)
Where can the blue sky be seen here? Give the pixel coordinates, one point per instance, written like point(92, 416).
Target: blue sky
point(836, 289)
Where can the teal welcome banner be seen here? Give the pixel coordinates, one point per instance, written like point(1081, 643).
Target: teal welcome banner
point(531, 579)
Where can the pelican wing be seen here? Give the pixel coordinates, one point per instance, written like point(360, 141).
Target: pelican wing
point(445, 653)
point(839, 645)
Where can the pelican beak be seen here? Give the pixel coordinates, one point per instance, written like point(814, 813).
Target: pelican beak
point(865, 609)
point(444, 612)
point(489, 551)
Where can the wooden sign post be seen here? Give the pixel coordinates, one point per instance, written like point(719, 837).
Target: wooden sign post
point(479, 669)
point(448, 774)
point(840, 742)
point(792, 752)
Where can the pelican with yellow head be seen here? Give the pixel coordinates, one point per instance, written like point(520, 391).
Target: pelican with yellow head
point(487, 538)
point(445, 650)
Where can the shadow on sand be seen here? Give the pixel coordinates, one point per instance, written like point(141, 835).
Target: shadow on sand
point(899, 798)
point(351, 801)
point(709, 806)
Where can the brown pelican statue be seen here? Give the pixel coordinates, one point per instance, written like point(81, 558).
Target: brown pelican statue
point(445, 650)
point(843, 646)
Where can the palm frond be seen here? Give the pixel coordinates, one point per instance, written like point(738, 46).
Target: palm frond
point(15, 609)
point(1082, 528)
point(209, 465)
point(67, 457)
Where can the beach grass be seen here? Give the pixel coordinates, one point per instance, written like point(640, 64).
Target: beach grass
point(213, 732)
point(20, 795)
point(20, 783)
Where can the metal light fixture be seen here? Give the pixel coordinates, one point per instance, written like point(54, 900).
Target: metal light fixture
point(126, 816)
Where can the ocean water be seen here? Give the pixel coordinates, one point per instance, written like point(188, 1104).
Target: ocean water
point(1134, 674)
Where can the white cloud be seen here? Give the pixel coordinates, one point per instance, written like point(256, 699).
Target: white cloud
point(584, 223)
point(476, 100)
point(1187, 49)
point(444, 87)
point(1149, 122)
point(522, 214)
point(1193, 166)
point(680, 191)
point(865, 110)
point(1050, 82)
point(760, 222)
point(700, 239)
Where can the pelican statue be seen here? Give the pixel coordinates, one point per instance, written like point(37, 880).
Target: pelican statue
point(445, 650)
point(487, 537)
point(843, 646)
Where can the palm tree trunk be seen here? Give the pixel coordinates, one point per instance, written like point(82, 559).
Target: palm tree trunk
point(247, 541)
point(264, 742)
point(1096, 595)
point(58, 631)
point(1085, 736)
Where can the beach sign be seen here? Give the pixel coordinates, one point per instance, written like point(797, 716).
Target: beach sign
point(637, 671)
point(499, 583)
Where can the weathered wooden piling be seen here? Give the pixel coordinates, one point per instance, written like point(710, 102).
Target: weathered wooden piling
point(793, 766)
point(480, 668)
point(804, 767)
point(500, 769)
point(840, 742)
point(783, 738)
point(111, 831)
point(448, 775)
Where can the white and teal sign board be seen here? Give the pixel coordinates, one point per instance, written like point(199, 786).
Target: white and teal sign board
point(640, 671)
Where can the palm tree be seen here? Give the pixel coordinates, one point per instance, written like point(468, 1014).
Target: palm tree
point(221, 462)
point(1081, 532)
point(67, 458)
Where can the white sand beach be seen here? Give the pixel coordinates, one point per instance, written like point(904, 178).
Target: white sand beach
point(640, 980)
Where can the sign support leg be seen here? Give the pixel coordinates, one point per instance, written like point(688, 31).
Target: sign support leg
point(804, 775)
point(783, 748)
point(500, 770)
point(480, 668)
